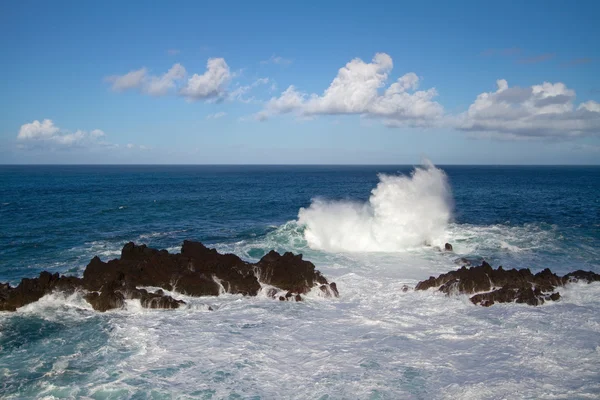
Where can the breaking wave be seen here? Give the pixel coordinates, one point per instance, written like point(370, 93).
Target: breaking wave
point(403, 212)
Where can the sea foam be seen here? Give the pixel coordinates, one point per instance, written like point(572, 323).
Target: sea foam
point(403, 212)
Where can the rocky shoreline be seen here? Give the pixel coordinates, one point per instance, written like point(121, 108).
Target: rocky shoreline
point(201, 271)
point(196, 271)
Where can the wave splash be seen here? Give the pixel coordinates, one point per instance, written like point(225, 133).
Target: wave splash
point(403, 212)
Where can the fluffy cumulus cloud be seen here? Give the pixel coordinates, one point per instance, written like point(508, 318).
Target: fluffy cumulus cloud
point(360, 88)
point(38, 130)
point(212, 84)
point(47, 135)
point(545, 110)
point(367, 89)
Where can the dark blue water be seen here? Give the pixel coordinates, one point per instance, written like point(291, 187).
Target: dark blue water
point(46, 211)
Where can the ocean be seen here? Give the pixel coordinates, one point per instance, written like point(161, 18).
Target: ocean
point(371, 229)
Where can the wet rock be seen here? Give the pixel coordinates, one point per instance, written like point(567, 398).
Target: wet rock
point(491, 286)
point(334, 289)
point(110, 297)
point(329, 290)
point(405, 288)
point(289, 272)
point(448, 247)
point(196, 271)
point(508, 294)
point(151, 300)
point(584, 276)
point(234, 274)
point(30, 290)
point(298, 297)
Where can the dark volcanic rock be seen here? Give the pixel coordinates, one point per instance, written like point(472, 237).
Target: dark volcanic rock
point(30, 290)
point(502, 286)
point(507, 294)
point(196, 271)
point(448, 247)
point(110, 297)
point(156, 299)
point(579, 275)
point(289, 272)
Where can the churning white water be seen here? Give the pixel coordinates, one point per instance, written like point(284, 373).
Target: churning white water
point(403, 212)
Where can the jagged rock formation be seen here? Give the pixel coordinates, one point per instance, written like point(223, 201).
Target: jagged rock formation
point(196, 271)
point(491, 286)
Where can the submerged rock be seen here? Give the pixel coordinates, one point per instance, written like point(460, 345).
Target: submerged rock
point(491, 286)
point(196, 271)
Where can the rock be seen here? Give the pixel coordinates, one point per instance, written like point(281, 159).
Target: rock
point(405, 288)
point(329, 290)
point(236, 275)
point(491, 286)
point(196, 271)
point(508, 294)
point(30, 290)
point(579, 275)
point(289, 272)
point(334, 289)
point(462, 262)
point(105, 300)
point(448, 247)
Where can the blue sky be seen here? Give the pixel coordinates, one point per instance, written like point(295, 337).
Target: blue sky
point(470, 82)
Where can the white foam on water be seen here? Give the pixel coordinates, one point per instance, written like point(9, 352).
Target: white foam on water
point(374, 341)
point(48, 304)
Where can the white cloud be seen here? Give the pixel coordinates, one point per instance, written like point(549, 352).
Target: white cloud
point(97, 133)
point(357, 90)
point(131, 80)
point(277, 60)
point(158, 86)
point(45, 134)
point(216, 115)
point(538, 111)
point(212, 84)
point(240, 91)
point(37, 130)
point(150, 84)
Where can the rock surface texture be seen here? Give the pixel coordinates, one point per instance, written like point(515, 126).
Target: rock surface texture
point(196, 271)
point(490, 286)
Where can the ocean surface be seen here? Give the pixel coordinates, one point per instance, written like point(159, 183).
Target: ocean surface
point(371, 229)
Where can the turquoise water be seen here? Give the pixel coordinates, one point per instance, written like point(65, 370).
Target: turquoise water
point(372, 342)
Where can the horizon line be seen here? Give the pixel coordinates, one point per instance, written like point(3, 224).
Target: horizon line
point(285, 165)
